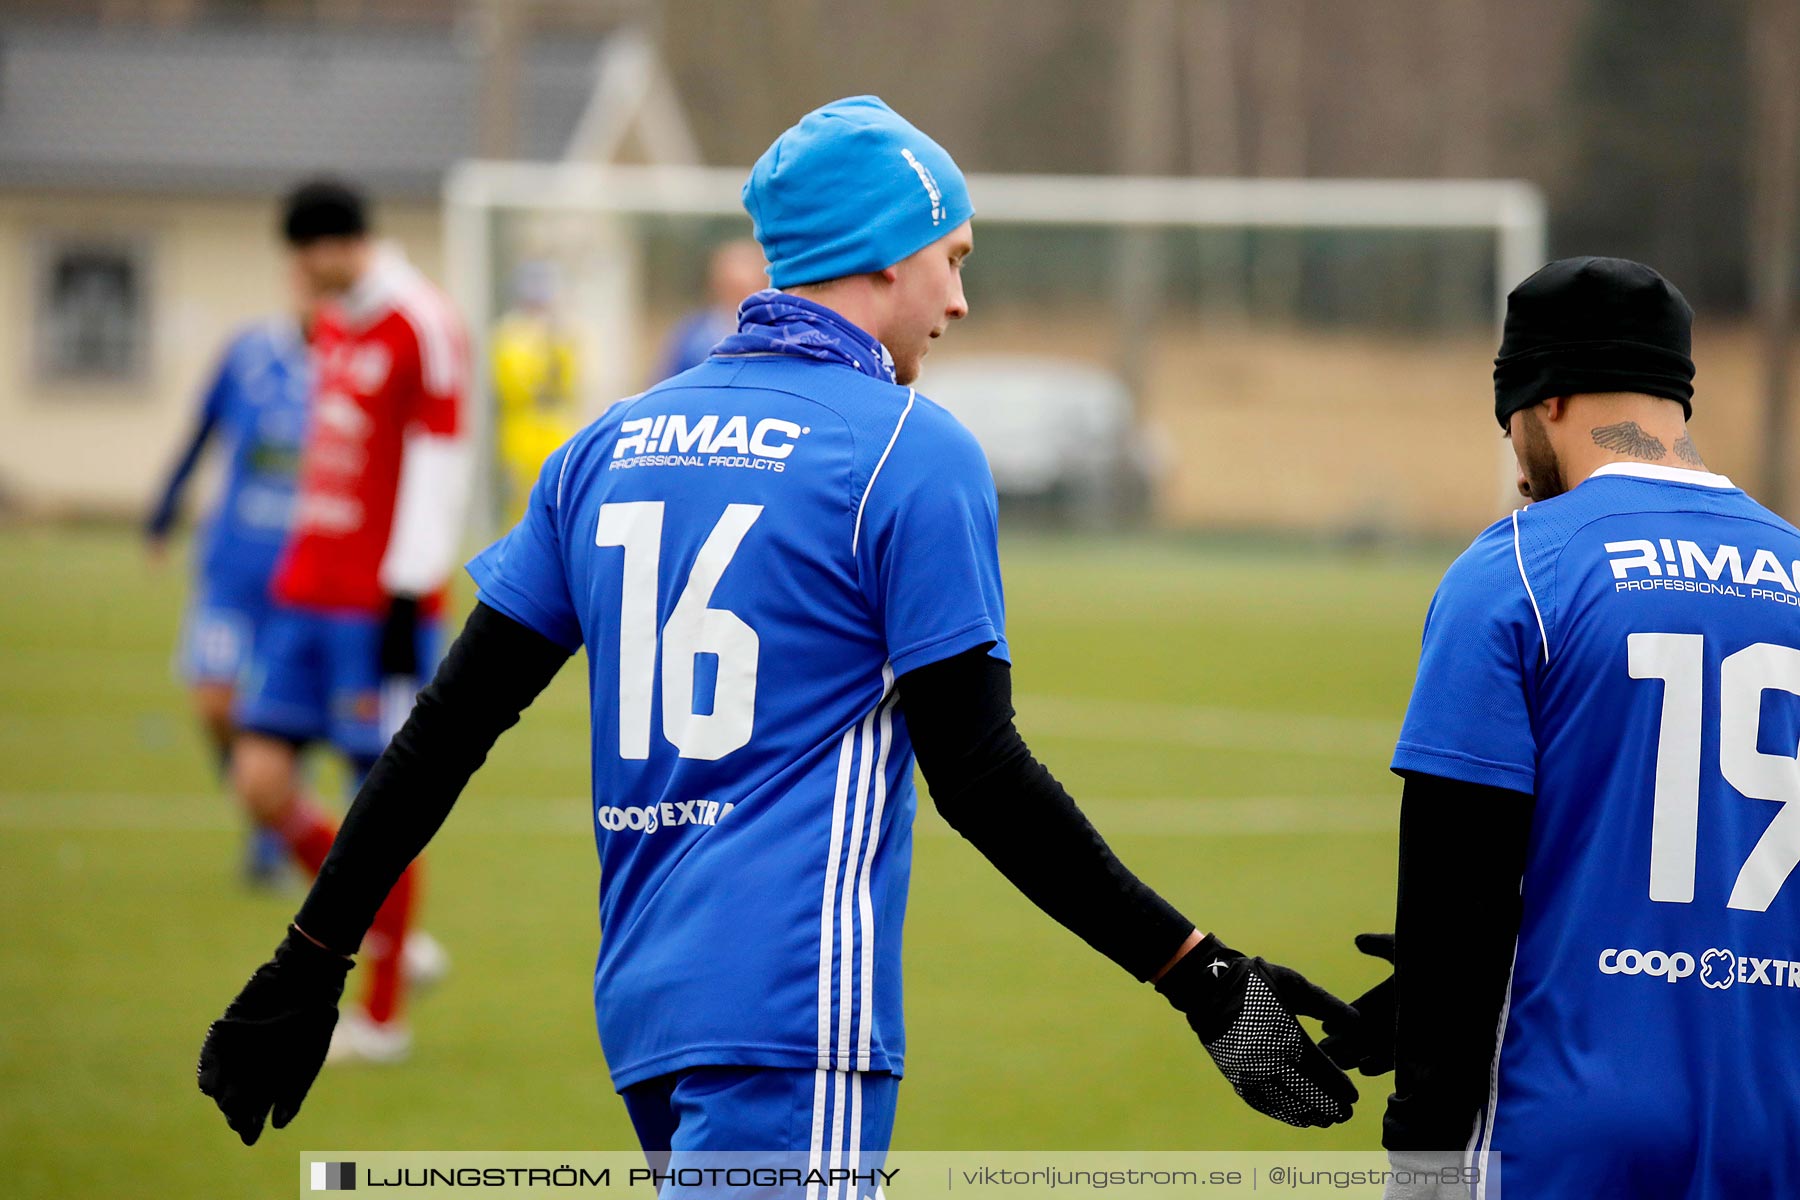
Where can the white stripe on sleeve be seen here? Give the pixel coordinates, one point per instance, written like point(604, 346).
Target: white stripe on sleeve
point(429, 508)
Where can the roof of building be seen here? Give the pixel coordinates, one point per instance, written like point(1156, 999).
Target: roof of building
point(207, 109)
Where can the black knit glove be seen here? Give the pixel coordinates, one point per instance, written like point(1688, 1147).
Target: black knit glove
point(1366, 1040)
point(265, 1052)
point(1243, 1010)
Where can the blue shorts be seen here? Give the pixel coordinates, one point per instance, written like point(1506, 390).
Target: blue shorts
point(317, 675)
point(218, 633)
point(828, 1119)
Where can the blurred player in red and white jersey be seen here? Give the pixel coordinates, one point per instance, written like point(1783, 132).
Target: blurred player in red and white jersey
point(383, 486)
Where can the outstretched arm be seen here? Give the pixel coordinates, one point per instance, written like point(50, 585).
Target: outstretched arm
point(1462, 855)
point(1436, 1020)
point(991, 790)
point(430, 502)
point(494, 670)
point(168, 501)
point(260, 1058)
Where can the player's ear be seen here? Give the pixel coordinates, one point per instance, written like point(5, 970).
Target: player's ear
point(1555, 407)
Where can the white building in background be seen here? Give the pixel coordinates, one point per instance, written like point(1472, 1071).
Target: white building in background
point(140, 171)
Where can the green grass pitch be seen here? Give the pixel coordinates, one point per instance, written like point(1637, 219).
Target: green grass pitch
point(1224, 715)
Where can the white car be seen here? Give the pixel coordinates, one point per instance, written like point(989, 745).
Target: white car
point(1059, 433)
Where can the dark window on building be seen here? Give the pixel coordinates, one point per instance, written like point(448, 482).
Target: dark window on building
point(92, 309)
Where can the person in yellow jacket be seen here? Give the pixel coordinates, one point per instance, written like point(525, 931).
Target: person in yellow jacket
point(534, 365)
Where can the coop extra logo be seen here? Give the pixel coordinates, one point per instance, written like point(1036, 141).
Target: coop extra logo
point(1717, 968)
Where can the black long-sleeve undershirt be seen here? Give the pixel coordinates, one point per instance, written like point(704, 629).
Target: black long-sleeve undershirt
point(991, 790)
point(1462, 856)
point(494, 670)
point(168, 500)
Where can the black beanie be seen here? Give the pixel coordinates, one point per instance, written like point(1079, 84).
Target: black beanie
point(323, 208)
point(1594, 325)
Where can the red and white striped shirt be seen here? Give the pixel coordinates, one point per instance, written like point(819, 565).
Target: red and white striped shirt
point(384, 477)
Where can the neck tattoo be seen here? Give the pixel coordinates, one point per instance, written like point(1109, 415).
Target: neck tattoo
point(1629, 438)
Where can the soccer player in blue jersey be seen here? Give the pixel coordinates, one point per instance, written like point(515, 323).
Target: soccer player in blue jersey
point(255, 408)
point(783, 565)
point(1602, 801)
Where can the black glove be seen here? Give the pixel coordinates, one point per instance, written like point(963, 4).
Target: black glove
point(268, 1047)
point(400, 638)
point(1243, 1009)
point(1365, 1040)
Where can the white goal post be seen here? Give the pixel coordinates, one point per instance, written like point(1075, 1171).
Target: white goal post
point(477, 192)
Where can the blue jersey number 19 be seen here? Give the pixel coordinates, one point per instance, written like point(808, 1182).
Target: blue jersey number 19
point(693, 629)
point(1679, 660)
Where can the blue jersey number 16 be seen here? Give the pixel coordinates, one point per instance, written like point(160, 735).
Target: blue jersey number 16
point(1679, 660)
point(693, 629)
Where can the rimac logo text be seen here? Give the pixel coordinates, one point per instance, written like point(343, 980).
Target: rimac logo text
point(1675, 564)
point(676, 440)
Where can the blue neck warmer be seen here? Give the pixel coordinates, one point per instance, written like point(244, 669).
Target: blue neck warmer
point(774, 322)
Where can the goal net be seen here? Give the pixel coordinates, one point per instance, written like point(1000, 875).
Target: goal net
point(1297, 356)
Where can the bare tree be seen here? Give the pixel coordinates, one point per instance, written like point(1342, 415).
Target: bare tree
point(1215, 135)
point(1464, 133)
point(1147, 107)
point(1279, 57)
point(1774, 51)
point(500, 31)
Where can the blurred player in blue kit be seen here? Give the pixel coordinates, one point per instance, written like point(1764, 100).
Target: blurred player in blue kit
point(784, 566)
point(733, 271)
point(1597, 946)
point(255, 408)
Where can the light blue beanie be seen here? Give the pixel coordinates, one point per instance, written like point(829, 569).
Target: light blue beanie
point(852, 188)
